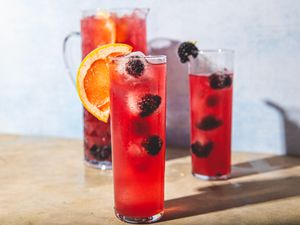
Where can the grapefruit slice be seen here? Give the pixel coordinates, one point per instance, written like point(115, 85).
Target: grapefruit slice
point(93, 81)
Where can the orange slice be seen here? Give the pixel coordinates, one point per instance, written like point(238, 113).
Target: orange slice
point(93, 80)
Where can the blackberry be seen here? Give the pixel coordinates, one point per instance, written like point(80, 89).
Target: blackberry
point(209, 123)
point(100, 152)
point(200, 150)
point(220, 81)
point(148, 104)
point(216, 81)
point(228, 80)
point(135, 67)
point(187, 49)
point(152, 144)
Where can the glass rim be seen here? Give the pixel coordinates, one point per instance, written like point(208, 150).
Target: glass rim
point(93, 11)
point(162, 58)
point(218, 50)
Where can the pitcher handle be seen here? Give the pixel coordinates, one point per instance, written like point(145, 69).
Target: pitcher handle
point(66, 58)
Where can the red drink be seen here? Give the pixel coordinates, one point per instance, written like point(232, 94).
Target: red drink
point(211, 111)
point(131, 30)
point(211, 78)
point(138, 117)
point(117, 26)
point(99, 28)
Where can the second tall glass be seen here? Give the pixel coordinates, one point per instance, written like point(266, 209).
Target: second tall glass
point(211, 81)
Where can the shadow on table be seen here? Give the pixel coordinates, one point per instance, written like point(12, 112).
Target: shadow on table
point(227, 196)
point(263, 165)
point(291, 132)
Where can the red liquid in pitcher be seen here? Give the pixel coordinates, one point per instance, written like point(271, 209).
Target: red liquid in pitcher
point(98, 30)
point(211, 112)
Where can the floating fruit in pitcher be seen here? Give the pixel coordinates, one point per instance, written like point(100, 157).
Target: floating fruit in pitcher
point(100, 152)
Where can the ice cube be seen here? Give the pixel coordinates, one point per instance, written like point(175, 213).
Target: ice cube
point(138, 156)
point(121, 67)
point(202, 64)
point(135, 150)
point(132, 100)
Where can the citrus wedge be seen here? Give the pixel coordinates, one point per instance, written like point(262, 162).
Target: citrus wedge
point(93, 81)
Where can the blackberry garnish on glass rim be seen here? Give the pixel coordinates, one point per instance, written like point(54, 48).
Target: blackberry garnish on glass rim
point(187, 49)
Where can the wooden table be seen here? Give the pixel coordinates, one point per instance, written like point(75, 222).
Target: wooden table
point(44, 181)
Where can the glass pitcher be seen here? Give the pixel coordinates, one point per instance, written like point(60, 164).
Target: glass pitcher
point(99, 27)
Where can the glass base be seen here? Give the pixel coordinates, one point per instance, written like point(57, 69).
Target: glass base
point(205, 177)
point(102, 165)
point(135, 220)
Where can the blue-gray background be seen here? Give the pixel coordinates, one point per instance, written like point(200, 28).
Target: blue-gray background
point(37, 98)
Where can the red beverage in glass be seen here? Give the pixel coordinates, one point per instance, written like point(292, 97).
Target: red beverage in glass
point(211, 114)
point(138, 119)
point(211, 111)
point(98, 28)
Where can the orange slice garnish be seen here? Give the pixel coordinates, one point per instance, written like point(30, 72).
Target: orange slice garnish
point(93, 81)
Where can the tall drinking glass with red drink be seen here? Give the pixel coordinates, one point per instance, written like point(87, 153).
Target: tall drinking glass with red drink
point(211, 114)
point(210, 82)
point(138, 119)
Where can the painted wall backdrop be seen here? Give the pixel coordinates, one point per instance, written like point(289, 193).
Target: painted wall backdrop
point(37, 98)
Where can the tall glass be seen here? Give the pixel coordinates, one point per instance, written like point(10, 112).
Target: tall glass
point(138, 122)
point(211, 81)
point(99, 27)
